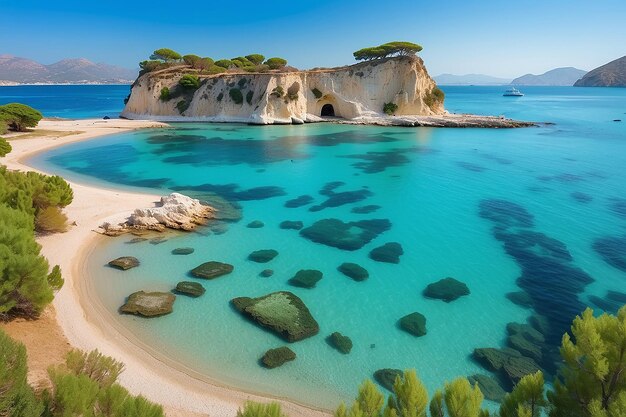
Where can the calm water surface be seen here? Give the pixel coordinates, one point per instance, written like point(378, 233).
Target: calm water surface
point(539, 209)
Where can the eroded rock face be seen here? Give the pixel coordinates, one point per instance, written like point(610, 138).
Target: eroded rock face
point(212, 269)
point(175, 211)
point(124, 263)
point(281, 312)
point(447, 289)
point(149, 304)
point(274, 358)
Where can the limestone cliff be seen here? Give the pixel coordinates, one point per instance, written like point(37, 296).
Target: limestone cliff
point(355, 93)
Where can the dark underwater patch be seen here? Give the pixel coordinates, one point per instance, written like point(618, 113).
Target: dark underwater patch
point(612, 249)
point(618, 207)
point(581, 197)
point(345, 235)
point(471, 167)
point(233, 192)
point(300, 201)
point(365, 209)
point(375, 162)
point(337, 199)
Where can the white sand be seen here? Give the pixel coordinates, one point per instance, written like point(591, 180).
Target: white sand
point(78, 312)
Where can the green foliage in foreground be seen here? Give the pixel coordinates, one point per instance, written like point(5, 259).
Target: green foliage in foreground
point(3, 127)
point(165, 94)
point(390, 108)
point(5, 147)
point(26, 200)
point(590, 383)
point(19, 116)
point(387, 50)
point(252, 409)
point(17, 398)
point(85, 386)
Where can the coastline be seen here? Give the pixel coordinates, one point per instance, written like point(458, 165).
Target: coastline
point(177, 389)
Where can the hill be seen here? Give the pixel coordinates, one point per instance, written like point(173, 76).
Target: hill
point(557, 77)
point(68, 71)
point(470, 79)
point(612, 74)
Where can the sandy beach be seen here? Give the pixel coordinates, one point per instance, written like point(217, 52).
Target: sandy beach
point(76, 317)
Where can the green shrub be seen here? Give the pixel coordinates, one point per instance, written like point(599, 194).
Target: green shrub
point(149, 66)
point(242, 83)
point(249, 96)
point(215, 69)
point(55, 278)
point(17, 398)
point(220, 96)
point(19, 117)
point(224, 63)
point(276, 63)
point(165, 94)
point(165, 54)
point(236, 95)
point(277, 92)
point(189, 82)
point(5, 147)
point(317, 93)
point(390, 108)
point(191, 60)
point(252, 409)
point(51, 220)
point(182, 106)
point(100, 368)
point(256, 59)
point(3, 127)
point(204, 64)
point(434, 98)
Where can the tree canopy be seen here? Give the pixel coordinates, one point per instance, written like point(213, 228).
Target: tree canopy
point(19, 116)
point(386, 50)
point(165, 54)
point(256, 59)
point(276, 63)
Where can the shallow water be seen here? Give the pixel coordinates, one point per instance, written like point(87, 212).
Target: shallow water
point(439, 189)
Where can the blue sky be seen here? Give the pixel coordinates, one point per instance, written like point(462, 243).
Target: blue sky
point(501, 38)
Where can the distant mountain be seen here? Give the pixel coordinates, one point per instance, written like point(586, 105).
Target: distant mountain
point(67, 71)
point(470, 79)
point(612, 74)
point(558, 77)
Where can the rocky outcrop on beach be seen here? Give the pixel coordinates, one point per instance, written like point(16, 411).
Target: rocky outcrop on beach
point(175, 211)
point(612, 74)
point(149, 304)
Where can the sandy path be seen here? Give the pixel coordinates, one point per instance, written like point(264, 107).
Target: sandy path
point(77, 313)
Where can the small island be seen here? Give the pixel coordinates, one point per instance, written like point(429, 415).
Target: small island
point(391, 87)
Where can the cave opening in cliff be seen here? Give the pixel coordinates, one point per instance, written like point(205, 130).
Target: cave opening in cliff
point(328, 110)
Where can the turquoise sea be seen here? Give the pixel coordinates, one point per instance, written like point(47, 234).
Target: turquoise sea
point(540, 209)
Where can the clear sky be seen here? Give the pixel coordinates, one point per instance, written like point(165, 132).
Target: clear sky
point(501, 38)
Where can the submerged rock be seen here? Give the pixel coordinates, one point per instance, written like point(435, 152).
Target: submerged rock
point(303, 200)
point(137, 240)
point(517, 368)
point(494, 359)
point(212, 269)
point(149, 304)
point(387, 377)
point(158, 240)
point(347, 236)
point(281, 312)
point(340, 342)
point(526, 331)
point(389, 252)
point(508, 362)
point(365, 209)
point(274, 358)
point(124, 263)
point(266, 273)
point(291, 225)
point(192, 289)
point(414, 323)
point(306, 278)
point(183, 251)
point(489, 386)
point(354, 271)
point(447, 289)
point(263, 256)
point(257, 224)
point(521, 298)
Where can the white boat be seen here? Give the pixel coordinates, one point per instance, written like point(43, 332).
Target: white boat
point(513, 92)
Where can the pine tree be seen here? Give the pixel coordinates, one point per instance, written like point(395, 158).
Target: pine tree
point(592, 379)
point(527, 398)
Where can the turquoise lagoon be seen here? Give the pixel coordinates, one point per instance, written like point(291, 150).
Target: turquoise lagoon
point(450, 195)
